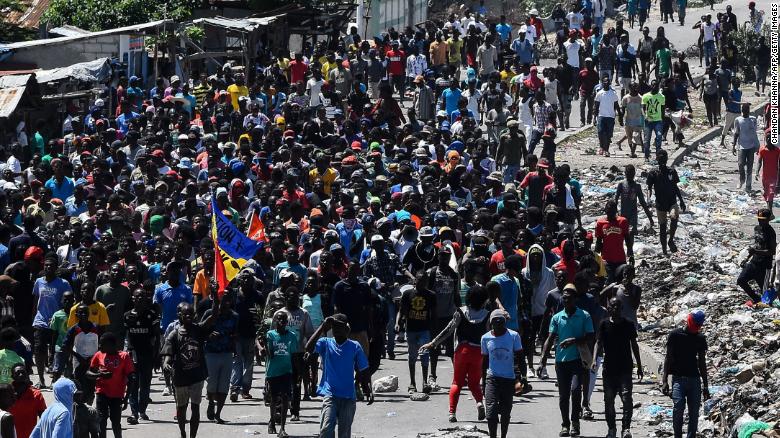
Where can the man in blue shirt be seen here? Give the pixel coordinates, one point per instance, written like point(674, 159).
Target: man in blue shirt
point(501, 349)
point(123, 120)
point(292, 264)
point(510, 289)
point(340, 357)
point(523, 49)
point(450, 98)
point(48, 291)
point(61, 186)
point(570, 329)
point(504, 30)
point(733, 109)
point(171, 293)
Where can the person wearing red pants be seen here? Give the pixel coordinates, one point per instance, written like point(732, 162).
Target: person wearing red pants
point(468, 323)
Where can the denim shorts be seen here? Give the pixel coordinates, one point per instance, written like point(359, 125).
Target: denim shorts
point(414, 340)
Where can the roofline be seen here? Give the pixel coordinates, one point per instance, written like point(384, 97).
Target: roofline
point(67, 39)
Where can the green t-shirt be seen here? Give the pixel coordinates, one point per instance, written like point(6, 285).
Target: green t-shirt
point(654, 104)
point(282, 346)
point(59, 324)
point(664, 59)
point(8, 358)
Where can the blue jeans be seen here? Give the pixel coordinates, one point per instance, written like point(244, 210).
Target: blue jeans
point(243, 366)
point(709, 52)
point(392, 311)
point(606, 128)
point(686, 390)
point(536, 137)
point(337, 411)
point(414, 340)
point(651, 127)
point(510, 170)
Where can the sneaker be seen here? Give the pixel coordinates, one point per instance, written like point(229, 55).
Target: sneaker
point(612, 433)
point(295, 418)
point(672, 246)
point(166, 392)
point(480, 412)
point(132, 420)
point(426, 389)
point(575, 429)
point(144, 416)
point(432, 381)
point(210, 412)
point(626, 433)
point(543, 374)
point(246, 396)
point(411, 389)
point(564, 431)
point(391, 355)
point(587, 413)
point(234, 397)
point(453, 419)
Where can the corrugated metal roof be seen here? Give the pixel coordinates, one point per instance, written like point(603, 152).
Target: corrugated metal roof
point(52, 41)
point(238, 24)
point(68, 30)
point(14, 81)
point(97, 70)
point(9, 99)
point(30, 14)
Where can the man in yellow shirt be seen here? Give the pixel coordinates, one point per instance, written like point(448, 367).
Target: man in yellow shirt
point(284, 63)
point(97, 311)
point(324, 172)
point(329, 65)
point(455, 46)
point(237, 90)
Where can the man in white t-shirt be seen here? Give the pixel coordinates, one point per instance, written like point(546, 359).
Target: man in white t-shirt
point(607, 107)
point(573, 47)
point(708, 39)
point(313, 87)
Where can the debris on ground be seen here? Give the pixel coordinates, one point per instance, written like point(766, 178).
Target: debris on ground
point(471, 431)
point(713, 234)
point(385, 384)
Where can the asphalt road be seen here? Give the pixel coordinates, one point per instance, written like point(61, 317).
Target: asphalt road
point(392, 414)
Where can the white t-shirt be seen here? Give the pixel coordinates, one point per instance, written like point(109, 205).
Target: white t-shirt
point(607, 100)
point(598, 8)
point(473, 104)
point(551, 91)
point(314, 87)
point(530, 33)
point(709, 32)
point(573, 53)
point(575, 20)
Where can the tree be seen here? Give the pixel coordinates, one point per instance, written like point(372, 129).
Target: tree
point(95, 15)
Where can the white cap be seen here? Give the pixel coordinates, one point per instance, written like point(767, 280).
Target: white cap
point(174, 78)
point(99, 102)
point(533, 11)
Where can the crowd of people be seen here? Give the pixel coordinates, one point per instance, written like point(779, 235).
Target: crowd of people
point(404, 190)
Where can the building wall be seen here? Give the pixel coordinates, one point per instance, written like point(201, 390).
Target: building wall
point(397, 14)
point(68, 53)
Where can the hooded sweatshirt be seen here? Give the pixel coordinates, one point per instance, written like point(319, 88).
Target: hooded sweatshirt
point(57, 419)
point(542, 281)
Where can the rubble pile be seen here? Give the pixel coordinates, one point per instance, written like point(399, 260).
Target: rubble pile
point(713, 237)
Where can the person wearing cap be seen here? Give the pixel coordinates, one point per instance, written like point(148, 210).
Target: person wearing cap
point(341, 357)
point(501, 349)
point(616, 342)
point(571, 330)
point(423, 100)
point(686, 362)
point(385, 266)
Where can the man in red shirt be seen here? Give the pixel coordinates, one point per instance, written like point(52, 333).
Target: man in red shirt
point(611, 232)
point(768, 159)
point(298, 69)
point(587, 79)
point(29, 403)
point(396, 68)
point(112, 369)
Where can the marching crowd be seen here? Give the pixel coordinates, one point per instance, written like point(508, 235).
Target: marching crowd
point(403, 189)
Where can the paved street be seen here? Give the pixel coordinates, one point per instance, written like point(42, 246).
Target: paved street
point(392, 415)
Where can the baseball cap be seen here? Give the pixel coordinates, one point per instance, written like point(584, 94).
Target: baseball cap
point(498, 314)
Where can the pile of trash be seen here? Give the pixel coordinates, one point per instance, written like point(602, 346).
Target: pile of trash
point(471, 431)
point(713, 237)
